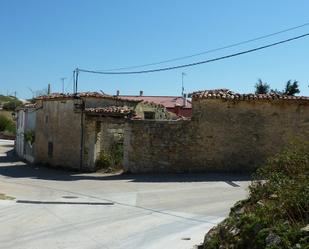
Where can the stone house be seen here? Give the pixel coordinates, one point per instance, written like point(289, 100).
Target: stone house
point(72, 130)
point(228, 132)
point(180, 106)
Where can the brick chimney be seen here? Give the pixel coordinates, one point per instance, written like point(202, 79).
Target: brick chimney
point(141, 93)
point(117, 93)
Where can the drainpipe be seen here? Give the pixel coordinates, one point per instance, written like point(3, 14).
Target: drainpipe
point(81, 135)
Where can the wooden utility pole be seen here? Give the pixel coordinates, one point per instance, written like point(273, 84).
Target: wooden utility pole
point(62, 79)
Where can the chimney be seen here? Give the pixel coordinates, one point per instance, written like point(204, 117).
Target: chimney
point(117, 93)
point(141, 93)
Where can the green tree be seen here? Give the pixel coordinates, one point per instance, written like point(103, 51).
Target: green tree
point(276, 91)
point(4, 122)
point(12, 105)
point(261, 87)
point(7, 124)
point(291, 88)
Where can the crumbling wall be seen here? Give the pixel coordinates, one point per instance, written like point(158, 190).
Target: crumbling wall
point(102, 134)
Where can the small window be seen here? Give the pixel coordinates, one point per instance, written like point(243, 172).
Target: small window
point(46, 119)
point(149, 115)
point(50, 149)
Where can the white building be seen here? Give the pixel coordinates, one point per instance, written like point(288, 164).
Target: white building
point(25, 132)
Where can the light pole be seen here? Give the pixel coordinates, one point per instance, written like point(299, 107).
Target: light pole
point(182, 87)
point(63, 79)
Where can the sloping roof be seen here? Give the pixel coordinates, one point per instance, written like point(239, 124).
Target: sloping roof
point(167, 101)
point(229, 95)
point(57, 96)
point(30, 105)
point(119, 110)
point(27, 106)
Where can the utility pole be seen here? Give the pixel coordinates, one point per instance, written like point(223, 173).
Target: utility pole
point(63, 79)
point(75, 81)
point(182, 87)
point(48, 89)
point(15, 93)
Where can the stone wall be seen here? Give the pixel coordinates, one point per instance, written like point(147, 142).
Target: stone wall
point(58, 134)
point(222, 136)
point(157, 146)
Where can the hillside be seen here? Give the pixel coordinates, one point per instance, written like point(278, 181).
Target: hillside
point(9, 103)
point(4, 98)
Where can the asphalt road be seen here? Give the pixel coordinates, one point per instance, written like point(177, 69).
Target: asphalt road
point(59, 209)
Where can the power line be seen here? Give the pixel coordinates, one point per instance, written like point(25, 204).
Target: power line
point(195, 63)
point(211, 50)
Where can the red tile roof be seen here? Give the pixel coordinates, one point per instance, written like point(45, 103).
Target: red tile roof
point(229, 95)
point(27, 106)
point(56, 96)
point(166, 101)
point(30, 105)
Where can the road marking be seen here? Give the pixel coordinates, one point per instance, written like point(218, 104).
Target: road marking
point(69, 197)
point(64, 202)
point(233, 184)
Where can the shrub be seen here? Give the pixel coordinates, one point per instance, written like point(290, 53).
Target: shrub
point(112, 159)
point(104, 160)
point(287, 177)
point(12, 105)
point(277, 208)
point(29, 136)
point(4, 121)
point(7, 124)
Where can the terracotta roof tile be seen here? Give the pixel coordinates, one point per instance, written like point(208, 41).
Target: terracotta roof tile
point(56, 96)
point(229, 95)
point(166, 101)
point(121, 110)
point(30, 105)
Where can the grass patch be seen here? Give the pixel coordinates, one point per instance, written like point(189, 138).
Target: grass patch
point(5, 197)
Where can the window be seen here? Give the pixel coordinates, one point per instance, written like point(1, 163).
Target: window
point(50, 149)
point(149, 115)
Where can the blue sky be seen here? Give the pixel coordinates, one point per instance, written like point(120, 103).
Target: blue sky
point(42, 41)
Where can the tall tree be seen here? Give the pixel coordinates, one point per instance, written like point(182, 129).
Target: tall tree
point(261, 87)
point(291, 88)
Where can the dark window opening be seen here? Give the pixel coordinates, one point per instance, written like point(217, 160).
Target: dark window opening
point(149, 115)
point(50, 149)
point(46, 119)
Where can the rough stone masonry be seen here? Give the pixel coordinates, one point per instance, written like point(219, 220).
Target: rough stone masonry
point(228, 132)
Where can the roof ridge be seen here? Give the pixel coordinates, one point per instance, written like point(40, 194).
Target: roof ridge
point(230, 95)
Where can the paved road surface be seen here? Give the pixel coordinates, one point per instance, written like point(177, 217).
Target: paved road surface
point(57, 209)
